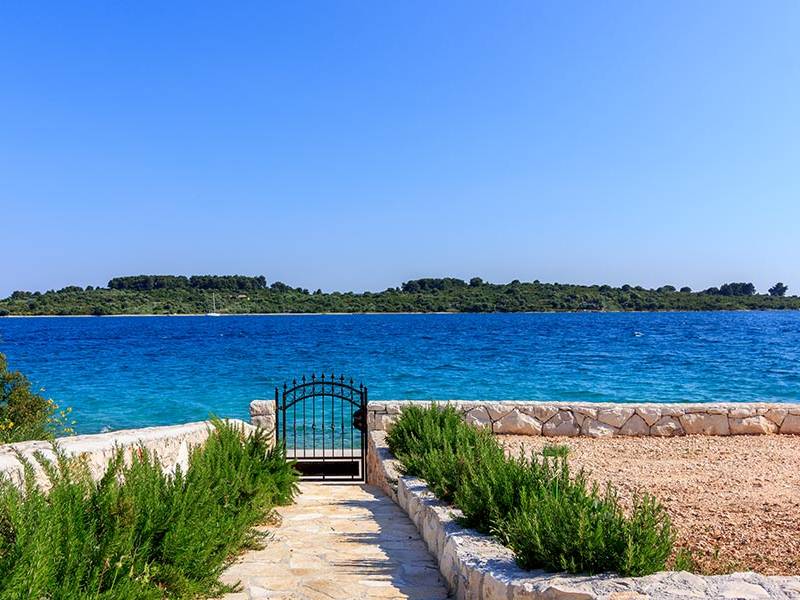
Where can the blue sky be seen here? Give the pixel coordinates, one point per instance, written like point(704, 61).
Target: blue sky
point(354, 145)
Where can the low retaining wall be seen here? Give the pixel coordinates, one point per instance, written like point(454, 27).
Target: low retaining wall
point(170, 443)
point(476, 567)
point(598, 419)
point(608, 419)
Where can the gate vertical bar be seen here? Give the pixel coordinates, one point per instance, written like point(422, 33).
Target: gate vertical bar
point(322, 427)
point(365, 418)
point(283, 413)
point(274, 432)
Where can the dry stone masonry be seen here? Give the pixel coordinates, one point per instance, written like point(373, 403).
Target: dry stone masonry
point(607, 419)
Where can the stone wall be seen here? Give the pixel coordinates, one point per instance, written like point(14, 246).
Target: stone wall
point(477, 567)
point(171, 444)
point(262, 414)
point(607, 419)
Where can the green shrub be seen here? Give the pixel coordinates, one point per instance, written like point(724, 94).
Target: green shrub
point(549, 517)
point(568, 525)
point(25, 415)
point(434, 445)
point(138, 532)
point(491, 489)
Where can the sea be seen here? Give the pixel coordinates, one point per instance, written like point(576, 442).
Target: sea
point(123, 372)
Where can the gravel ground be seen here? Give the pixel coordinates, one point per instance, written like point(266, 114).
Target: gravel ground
point(735, 501)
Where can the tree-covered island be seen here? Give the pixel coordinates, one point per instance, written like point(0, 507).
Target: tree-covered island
point(235, 294)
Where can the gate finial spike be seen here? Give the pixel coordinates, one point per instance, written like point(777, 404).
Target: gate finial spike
point(313, 377)
point(323, 376)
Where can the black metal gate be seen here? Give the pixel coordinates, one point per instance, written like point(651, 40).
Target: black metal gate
point(322, 421)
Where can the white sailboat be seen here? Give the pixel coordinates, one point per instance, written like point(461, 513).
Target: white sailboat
point(213, 312)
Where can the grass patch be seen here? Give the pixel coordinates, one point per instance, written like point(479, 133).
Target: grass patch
point(138, 532)
point(556, 450)
point(551, 518)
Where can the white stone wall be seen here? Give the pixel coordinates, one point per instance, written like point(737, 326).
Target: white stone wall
point(262, 414)
point(600, 419)
point(171, 444)
point(477, 567)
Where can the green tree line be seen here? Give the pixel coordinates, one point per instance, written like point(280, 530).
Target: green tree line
point(234, 294)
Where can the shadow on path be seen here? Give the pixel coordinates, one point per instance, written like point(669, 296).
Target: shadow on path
point(340, 542)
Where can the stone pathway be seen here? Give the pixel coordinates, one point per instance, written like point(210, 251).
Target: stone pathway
point(345, 542)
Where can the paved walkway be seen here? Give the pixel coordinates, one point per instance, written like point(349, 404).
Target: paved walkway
point(341, 542)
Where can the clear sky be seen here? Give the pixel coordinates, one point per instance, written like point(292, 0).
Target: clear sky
point(354, 145)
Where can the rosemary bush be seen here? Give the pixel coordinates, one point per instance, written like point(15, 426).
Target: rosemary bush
point(549, 517)
point(138, 532)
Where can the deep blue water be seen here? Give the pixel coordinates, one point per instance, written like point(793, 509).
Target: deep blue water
point(136, 371)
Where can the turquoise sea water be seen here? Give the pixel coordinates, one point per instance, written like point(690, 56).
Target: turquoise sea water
point(136, 371)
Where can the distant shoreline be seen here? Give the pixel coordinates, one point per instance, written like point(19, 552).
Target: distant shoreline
point(333, 314)
point(232, 294)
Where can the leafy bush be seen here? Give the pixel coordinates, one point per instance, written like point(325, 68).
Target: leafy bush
point(434, 445)
point(138, 532)
point(549, 517)
point(25, 415)
point(568, 525)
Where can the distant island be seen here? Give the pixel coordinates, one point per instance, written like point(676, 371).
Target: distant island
point(236, 294)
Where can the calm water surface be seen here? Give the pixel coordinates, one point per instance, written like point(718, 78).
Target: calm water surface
point(134, 371)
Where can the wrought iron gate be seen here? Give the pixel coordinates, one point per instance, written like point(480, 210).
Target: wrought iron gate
point(322, 421)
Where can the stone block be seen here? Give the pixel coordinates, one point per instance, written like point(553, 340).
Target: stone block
point(498, 410)
point(393, 408)
point(742, 590)
point(448, 563)
point(518, 423)
point(261, 408)
point(561, 424)
point(595, 429)
point(672, 410)
point(650, 414)
point(540, 411)
point(473, 589)
point(479, 417)
point(776, 415)
point(615, 416)
point(753, 425)
point(667, 427)
point(742, 412)
point(383, 422)
point(636, 426)
point(705, 424)
point(494, 588)
point(791, 424)
point(585, 411)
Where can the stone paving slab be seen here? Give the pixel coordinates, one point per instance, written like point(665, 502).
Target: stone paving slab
point(340, 542)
